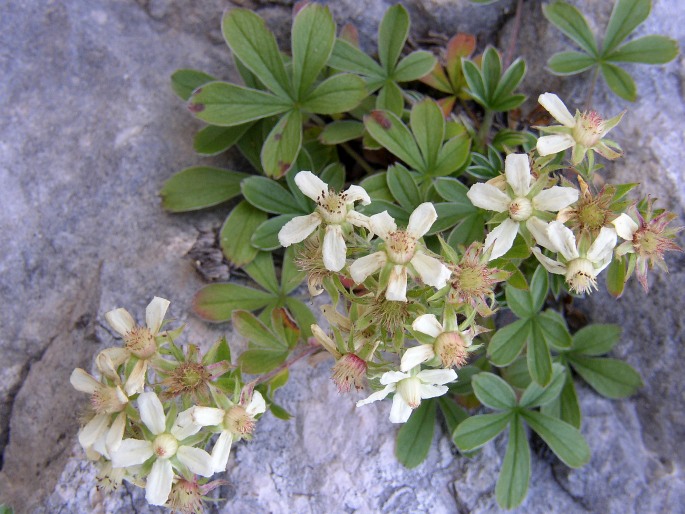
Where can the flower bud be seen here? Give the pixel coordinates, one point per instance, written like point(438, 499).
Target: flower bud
point(349, 371)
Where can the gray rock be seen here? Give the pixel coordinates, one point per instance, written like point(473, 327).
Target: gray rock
point(89, 133)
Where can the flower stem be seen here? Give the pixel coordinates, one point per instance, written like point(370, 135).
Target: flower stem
point(484, 130)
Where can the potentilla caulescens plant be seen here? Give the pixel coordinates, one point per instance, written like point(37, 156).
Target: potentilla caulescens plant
point(451, 217)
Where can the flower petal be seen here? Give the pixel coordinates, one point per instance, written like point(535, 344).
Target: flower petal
point(95, 428)
point(392, 377)
point(154, 313)
point(428, 324)
point(437, 376)
point(115, 434)
point(502, 238)
point(548, 145)
point(563, 240)
point(334, 248)
point(421, 220)
point(221, 452)
point(416, 355)
point(487, 196)
point(132, 452)
point(120, 320)
point(298, 228)
point(109, 360)
point(556, 108)
point(517, 170)
point(549, 264)
point(602, 248)
point(378, 395)
point(382, 224)
point(84, 382)
point(152, 412)
point(400, 410)
point(257, 404)
point(625, 228)
point(358, 219)
point(311, 185)
point(431, 270)
point(365, 266)
point(158, 484)
point(184, 425)
point(197, 460)
point(135, 383)
point(397, 284)
point(538, 228)
point(207, 416)
point(432, 391)
point(555, 198)
point(354, 193)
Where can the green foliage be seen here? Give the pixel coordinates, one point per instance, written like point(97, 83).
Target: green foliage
point(626, 16)
point(416, 435)
point(490, 86)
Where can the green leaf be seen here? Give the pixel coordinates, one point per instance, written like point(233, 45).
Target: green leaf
point(516, 374)
point(347, 57)
point(625, 17)
point(414, 66)
point(313, 37)
point(475, 82)
point(512, 483)
point(452, 190)
point(266, 236)
point(609, 377)
point(255, 45)
point(619, 81)
point(184, 82)
point(198, 187)
point(390, 98)
point(403, 187)
point(520, 302)
point(510, 80)
point(341, 131)
point(565, 406)
point(535, 395)
point(282, 145)
point(216, 302)
point(262, 271)
point(449, 214)
point(493, 392)
point(571, 22)
point(596, 339)
point(539, 286)
point(377, 187)
point(478, 430)
point(338, 93)
point(564, 440)
point(386, 128)
point(416, 435)
point(554, 330)
point(291, 277)
point(392, 34)
point(261, 361)
point(280, 412)
point(452, 413)
point(570, 63)
point(303, 314)
point(226, 105)
point(213, 140)
point(453, 155)
point(616, 276)
point(647, 49)
point(256, 332)
point(539, 358)
point(250, 145)
point(237, 231)
point(428, 127)
point(268, 195)
point(508, 342)
point(491, 71)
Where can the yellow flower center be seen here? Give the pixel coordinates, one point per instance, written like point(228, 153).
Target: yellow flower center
point(165, 446)
point(106, 400)
point(581, 276)
point(410, 390)
point(332, 206)
point(400, 247)
point(140, 342)
point(588, 129)
point(238, 421)
point(451, 348)
point(520, 209)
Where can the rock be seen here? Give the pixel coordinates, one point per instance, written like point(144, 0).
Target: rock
point(91, 130)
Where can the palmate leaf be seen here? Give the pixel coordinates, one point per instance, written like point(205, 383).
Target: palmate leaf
point(648, 50)
point(626, 16)
point(570, 63)
point(564, 440)
point(184, 82)
point(489, 86)
point(493, 392)
point(514, 476)
point(282, 145)
point(237, 231)
point(619, 81)
point(313, 37)
point(216, 302)
point(476, 431)
point(569, 20)
point(403, 187)
point(392, 34)
point(339, 93)
point(609, 377)
point(213, 140)
point(199, 187)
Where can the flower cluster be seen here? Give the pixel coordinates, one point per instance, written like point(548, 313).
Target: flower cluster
point(131, 434)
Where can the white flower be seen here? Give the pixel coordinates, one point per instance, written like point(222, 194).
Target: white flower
point(582, 132)
point(139, 342)
point(334, 210)
point(450, 345)
point(580, 266)
point(166, 448)
point(410, 390)
point(101, 434)
point(402, 251)
point(521, 201)
point(236, 422)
